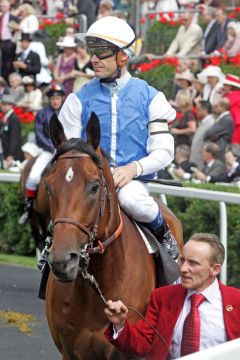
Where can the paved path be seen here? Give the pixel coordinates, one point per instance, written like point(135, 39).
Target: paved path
point(18, 293)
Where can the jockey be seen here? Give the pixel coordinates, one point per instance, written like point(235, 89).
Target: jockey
point(133, 118)
point(55, 93)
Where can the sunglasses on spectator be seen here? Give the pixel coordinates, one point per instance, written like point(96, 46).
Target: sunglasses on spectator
point(102, 52)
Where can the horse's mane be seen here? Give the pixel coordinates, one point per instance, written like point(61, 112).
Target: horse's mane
point(75, 145)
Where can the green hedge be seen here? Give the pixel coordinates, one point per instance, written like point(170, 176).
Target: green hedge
point(196, 216)
point(203, 216)
point(14, 238)
point(160, 77)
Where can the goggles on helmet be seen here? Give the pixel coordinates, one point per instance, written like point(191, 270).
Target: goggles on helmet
point(102, 52)
point(101, 48)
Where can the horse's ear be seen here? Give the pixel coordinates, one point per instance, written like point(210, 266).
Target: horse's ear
point(93, 131)
point(57, 132)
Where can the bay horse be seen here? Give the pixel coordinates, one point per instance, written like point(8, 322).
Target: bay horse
point(91, 236)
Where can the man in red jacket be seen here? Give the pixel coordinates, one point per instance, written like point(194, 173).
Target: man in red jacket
point(219, 313)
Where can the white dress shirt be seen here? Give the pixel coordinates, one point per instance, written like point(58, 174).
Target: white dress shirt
point(212, 330)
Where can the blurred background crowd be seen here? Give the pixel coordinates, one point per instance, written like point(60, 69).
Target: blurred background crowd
point(41, 60)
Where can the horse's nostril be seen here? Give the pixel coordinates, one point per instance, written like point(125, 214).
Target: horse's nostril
point(73, 257)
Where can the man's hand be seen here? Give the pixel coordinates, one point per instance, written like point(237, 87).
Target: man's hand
point(197, 174)
point(116, 313)
point(179, 172)
point(124, 174)
point(19, 65)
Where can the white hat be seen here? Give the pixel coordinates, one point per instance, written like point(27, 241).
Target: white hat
point(68, 41)
point(185, 75)
point(113, 30)
point(28, 80)
point(31, 148)
point(232, 80)
point(212, 70)
point(201, 77)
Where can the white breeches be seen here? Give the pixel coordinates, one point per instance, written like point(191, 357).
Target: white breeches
point(37, 169)
point(134, 198)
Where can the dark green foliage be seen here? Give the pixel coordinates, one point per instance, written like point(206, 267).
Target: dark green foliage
point(54, 32)
point(203, 216)
point(14, 238)
point(159, 37)
point(160, 77)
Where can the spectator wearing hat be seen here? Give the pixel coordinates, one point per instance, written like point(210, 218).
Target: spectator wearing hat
point(27, 62)
point(231, 90)
point(10, 131)
point(197, 89)
point(65, 64)
point(221, 132)
point(188, 38)
point(213, 88)
point(55, 95)
point(36, 45)
point(183, 81)
point(206, 121)
point(7, 46)
point(16, 88)
point(30, 151)
point(232, 45)
point(32, 99)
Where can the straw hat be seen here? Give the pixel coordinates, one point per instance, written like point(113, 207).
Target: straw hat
point(185, 75)
point(68, 42)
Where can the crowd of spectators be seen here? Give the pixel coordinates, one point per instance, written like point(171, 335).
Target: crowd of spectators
point(206, 99)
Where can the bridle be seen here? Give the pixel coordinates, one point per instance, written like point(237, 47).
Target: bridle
point(92, 234)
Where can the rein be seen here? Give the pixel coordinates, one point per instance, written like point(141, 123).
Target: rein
point(93, 234)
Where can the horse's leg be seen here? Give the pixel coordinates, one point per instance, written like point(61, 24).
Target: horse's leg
point(173, 222)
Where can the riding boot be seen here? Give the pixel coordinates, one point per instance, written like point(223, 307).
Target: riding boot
point(166, 238)
point(27, 210)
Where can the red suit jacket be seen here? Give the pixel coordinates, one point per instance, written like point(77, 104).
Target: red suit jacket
point(163, 311)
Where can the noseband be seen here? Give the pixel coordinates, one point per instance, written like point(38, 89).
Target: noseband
point(92, 234)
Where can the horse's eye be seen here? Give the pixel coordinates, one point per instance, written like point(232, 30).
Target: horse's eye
point(95, 187)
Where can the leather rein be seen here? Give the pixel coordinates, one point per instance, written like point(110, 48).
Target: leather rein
point(92, 234)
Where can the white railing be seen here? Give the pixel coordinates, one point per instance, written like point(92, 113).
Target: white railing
point(161, 190)
point(227, 351)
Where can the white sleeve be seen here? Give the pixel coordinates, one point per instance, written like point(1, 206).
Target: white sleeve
point(160, 143)
point(70, 117)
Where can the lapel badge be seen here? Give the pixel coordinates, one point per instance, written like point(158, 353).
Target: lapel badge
point(229, 308)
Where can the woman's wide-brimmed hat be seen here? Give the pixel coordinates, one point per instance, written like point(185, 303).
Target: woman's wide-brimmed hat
point(232, 80)
point(67, 41)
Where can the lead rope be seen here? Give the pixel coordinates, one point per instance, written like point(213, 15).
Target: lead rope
point(84, 261)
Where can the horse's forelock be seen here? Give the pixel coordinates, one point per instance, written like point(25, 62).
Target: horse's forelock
point(76, 144)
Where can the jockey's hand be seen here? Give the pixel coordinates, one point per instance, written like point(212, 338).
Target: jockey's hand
point(116, 313)
point(124, 174)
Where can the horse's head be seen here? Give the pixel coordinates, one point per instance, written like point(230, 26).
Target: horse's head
point(79, 184)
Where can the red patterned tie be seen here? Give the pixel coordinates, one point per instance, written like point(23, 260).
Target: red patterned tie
point(191, 327)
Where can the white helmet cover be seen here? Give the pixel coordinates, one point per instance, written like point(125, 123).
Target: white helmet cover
point(114, 30)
